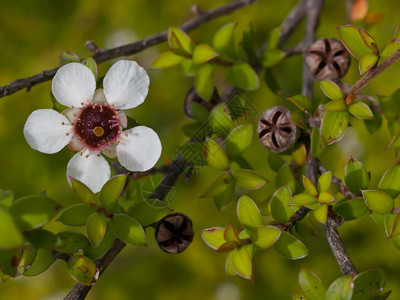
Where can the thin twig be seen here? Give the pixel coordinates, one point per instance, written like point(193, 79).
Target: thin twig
point(129, 49)
point(291, 21)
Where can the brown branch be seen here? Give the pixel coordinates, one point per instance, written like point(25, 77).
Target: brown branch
point(291, 21)
point(129, 49)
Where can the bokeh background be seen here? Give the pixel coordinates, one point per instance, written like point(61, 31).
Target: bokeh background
point(32, 34)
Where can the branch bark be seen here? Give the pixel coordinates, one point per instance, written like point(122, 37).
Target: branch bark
point(129, 49)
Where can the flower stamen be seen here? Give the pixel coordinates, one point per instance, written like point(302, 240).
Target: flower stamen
point(98, 131)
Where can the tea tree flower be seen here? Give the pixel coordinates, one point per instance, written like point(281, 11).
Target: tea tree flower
point(94, 122)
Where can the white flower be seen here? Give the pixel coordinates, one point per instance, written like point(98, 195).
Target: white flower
point(94, 122)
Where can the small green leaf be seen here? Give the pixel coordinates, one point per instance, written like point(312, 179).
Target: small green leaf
point(390, 49)
point(324, 182)
point(42, 238)
point(193, 153)
point(356, 176)
point(272, 57)
point(214, 237)
point(392, 225)
point(248, 212)
point(378, 201)
point(326, 197)
point(10, 235)
point(299, 118)
point(167, 59)
point(360, 110)
point(82, 192)
point(331, 89)
point(334, 125)
point(374, 124)
point(92, 65)
point(298, 294)
point(390, 182)
point(351, 209)
point(220, 120)
point(274, 37)
point(128, 230)
point(110, 192)
point(188, 67)
point(72, 241)
point(248, 179)
point(229, 268)
point(299, 154)
point(44, 259)
point(367, 62)
point(178, 39)
point(96, 228)
point(368, 284)
point(285, 177)
point(230, 234)
point(147, 214)
point(340, 289)
point(311, 285)
point(203, 53)
point(243, 76)
point(215, 156)
point(390, 106)
point(317, 144)
point(309, 186)
point(9, 261)
point(223, 200)
point(218, 186)
point(302, 102)
point(238, 140)
point(199, 112)
point(357, 41)
point(223, 40)
point(275, 162)
point(67, 57)
point(241, 261)
point(335, 105)
point(303, 199)
point(32, 212)
point(279, 205)
point(320, 214)
point(105, 244)
point(265, 236)
point(27, 258)
point(83, 269)
point(290, 247)
point(204, 81)
point(247, 42)
point(75, 215)
point(6, 198)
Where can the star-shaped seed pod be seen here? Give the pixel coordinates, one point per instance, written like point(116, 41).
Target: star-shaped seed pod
point(327, 59)
point(275, 129)
point(174, 233)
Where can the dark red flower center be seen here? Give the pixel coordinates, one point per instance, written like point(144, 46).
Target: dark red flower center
point(97, 125)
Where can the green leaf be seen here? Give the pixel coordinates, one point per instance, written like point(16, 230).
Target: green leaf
point(218, 186)
point(193, 153)
point(223, 200)
point(203, 53)
point(357, 41)
point(96, 228)
point(331, 89)
point(390, 49)
point(44, 259)
point(6, 198)
point(82, 192)
point(166, 59)
point(275, 162)
point(324, 182)
point(367, 62)
point(311, 285)
point(390, 182)
point(32, 212)
point(230, 234)
point(82, 269)
point(271, 79)
point(265, 236)
point(279, 205)
point(75, 215)
point(248, 213)
point(356, 176)
point(302, 102)
point(188, 67)
point(321, 213)
point(378, 201)
point(27, 258)
point(241, 261)
point(298, 294)
point(390, 106)
point(92, 65)
point(223, 40)
point(299, 154)
point(105, 244)
point(325, 197)
point(247, 42)
point(317, 144)
point(334, 125)
point(146, 214)
point(248, 179)
point(351, 209)
point(335, 105)
point(368, 284)
point(204, 81)
point(299, 118)
point(67, 57)
point(309, 186)
point(213, 237)
point(220, 120)
point(392, 225)
point(110, 192)
point(215, 156)
point(303, 199)
point(179, 40)
point(340, 289)
point(10, 235)
point(229, 268)
point(272, 57)
point(72, 241)
point(290, 247)
point(9, 261)
point(199, 112)
point(42, 238)
point(238, 140)
point(375, 123)
point(360, 110)
point(128, 230)
point(274, 37)
point(285, 177)
point(243, 76)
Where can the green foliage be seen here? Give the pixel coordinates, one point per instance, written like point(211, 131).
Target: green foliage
point(311, 285)
point(128, 230)
point(379, 202)
point(356, 176)
point(75, 215)
point(96, 228)
point(290, 247)
point(82, 269)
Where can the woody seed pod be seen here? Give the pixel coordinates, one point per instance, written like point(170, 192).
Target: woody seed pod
point(275, 129)
point(327, 59)
point(174, 233)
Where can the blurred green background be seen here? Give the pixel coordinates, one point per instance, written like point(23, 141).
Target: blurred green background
point(34, 32)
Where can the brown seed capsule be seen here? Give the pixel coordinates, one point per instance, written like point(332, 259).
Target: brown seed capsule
point(275, 130)
point(174, 233)
point(327, 59)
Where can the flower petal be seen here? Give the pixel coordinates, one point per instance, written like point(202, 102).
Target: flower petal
point(73, 84)
point(44, 131)
point(140, 150)
point(90, 169)
point(126, 84)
